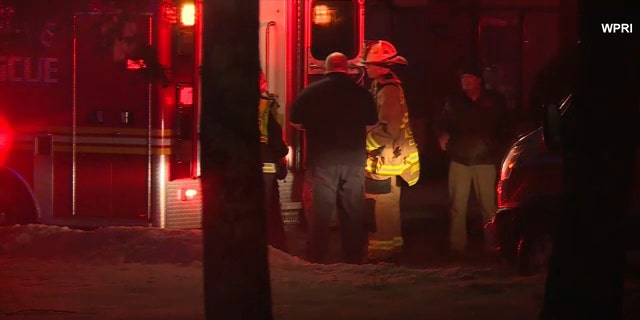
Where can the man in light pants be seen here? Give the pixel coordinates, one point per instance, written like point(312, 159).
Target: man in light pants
point(473, 131)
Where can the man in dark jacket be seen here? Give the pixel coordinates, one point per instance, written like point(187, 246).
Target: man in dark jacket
point(473, 131)
point(334, 112)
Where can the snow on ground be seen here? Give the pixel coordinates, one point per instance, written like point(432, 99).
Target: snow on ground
point(49, 272)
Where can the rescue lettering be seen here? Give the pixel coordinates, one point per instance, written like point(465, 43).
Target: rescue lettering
point(617, 27)
point(15, 69)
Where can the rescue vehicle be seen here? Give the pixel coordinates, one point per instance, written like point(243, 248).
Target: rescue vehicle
point(100, 103)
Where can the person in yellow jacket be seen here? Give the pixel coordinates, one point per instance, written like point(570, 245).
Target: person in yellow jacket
point(273, 149)
point(392, 153)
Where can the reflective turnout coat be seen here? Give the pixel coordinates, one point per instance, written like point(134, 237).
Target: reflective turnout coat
point(391, 149)
point(273, 147)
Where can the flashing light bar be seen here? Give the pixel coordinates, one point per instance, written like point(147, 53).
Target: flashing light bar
point(188, 15)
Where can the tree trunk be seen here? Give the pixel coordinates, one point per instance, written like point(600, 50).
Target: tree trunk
point(586, 270)
point(236, 274)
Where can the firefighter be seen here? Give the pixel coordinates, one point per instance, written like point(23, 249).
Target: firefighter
point(273, 150)
point(334, 112)
point(392, 152)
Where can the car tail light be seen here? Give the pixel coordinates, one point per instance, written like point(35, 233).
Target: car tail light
point(509, 162)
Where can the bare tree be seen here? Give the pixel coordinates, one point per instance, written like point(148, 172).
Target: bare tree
point(236, 274)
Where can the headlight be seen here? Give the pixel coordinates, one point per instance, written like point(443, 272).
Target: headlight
point(510, 161)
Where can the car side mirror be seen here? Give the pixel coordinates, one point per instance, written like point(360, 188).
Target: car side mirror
point(551, 126)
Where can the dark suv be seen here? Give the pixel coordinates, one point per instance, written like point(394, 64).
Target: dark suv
point(529, 199)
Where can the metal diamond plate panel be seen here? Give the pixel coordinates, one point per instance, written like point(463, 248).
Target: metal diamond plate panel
point(170, 209)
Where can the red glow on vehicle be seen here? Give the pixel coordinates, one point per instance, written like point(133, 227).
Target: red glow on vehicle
point(185, 96)
point(5, 139)
point(188, 15)
point(135, 64)
point(188, 194)
point(322, 15)
point(289, 156)
point(169, 13)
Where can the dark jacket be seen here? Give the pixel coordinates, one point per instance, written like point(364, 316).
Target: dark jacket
point(479, 131)
point(335, 112)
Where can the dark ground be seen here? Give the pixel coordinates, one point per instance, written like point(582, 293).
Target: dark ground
point(425, 232)
point(424, 227)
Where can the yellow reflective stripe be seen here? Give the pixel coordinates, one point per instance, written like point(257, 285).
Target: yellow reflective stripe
point(408, 134)
point(413, 181)
point(372, 144)
point(383, 169)
point(389, 170)
point(101, 149)
point(411, 162)
point(369, 169)
point(414, 168)
point(269, 168)
point(386, 245)
point(413, 157)
point(105, 130)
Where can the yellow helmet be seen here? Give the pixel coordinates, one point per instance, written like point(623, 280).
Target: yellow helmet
point(381, 52)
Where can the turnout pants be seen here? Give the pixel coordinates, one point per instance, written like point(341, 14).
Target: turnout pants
point(461, 177)
point(329, 190)
point(386, 242)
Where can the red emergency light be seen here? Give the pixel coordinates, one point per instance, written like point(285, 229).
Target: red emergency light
point(188, 194)
point(169, 13)
point(185, 96)
point(135, 64)
point(188, 15)
point(5, 139)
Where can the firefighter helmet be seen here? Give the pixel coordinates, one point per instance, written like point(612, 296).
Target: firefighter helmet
point(382, 53)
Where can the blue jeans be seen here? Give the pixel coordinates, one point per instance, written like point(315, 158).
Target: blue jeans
point(329, 190)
